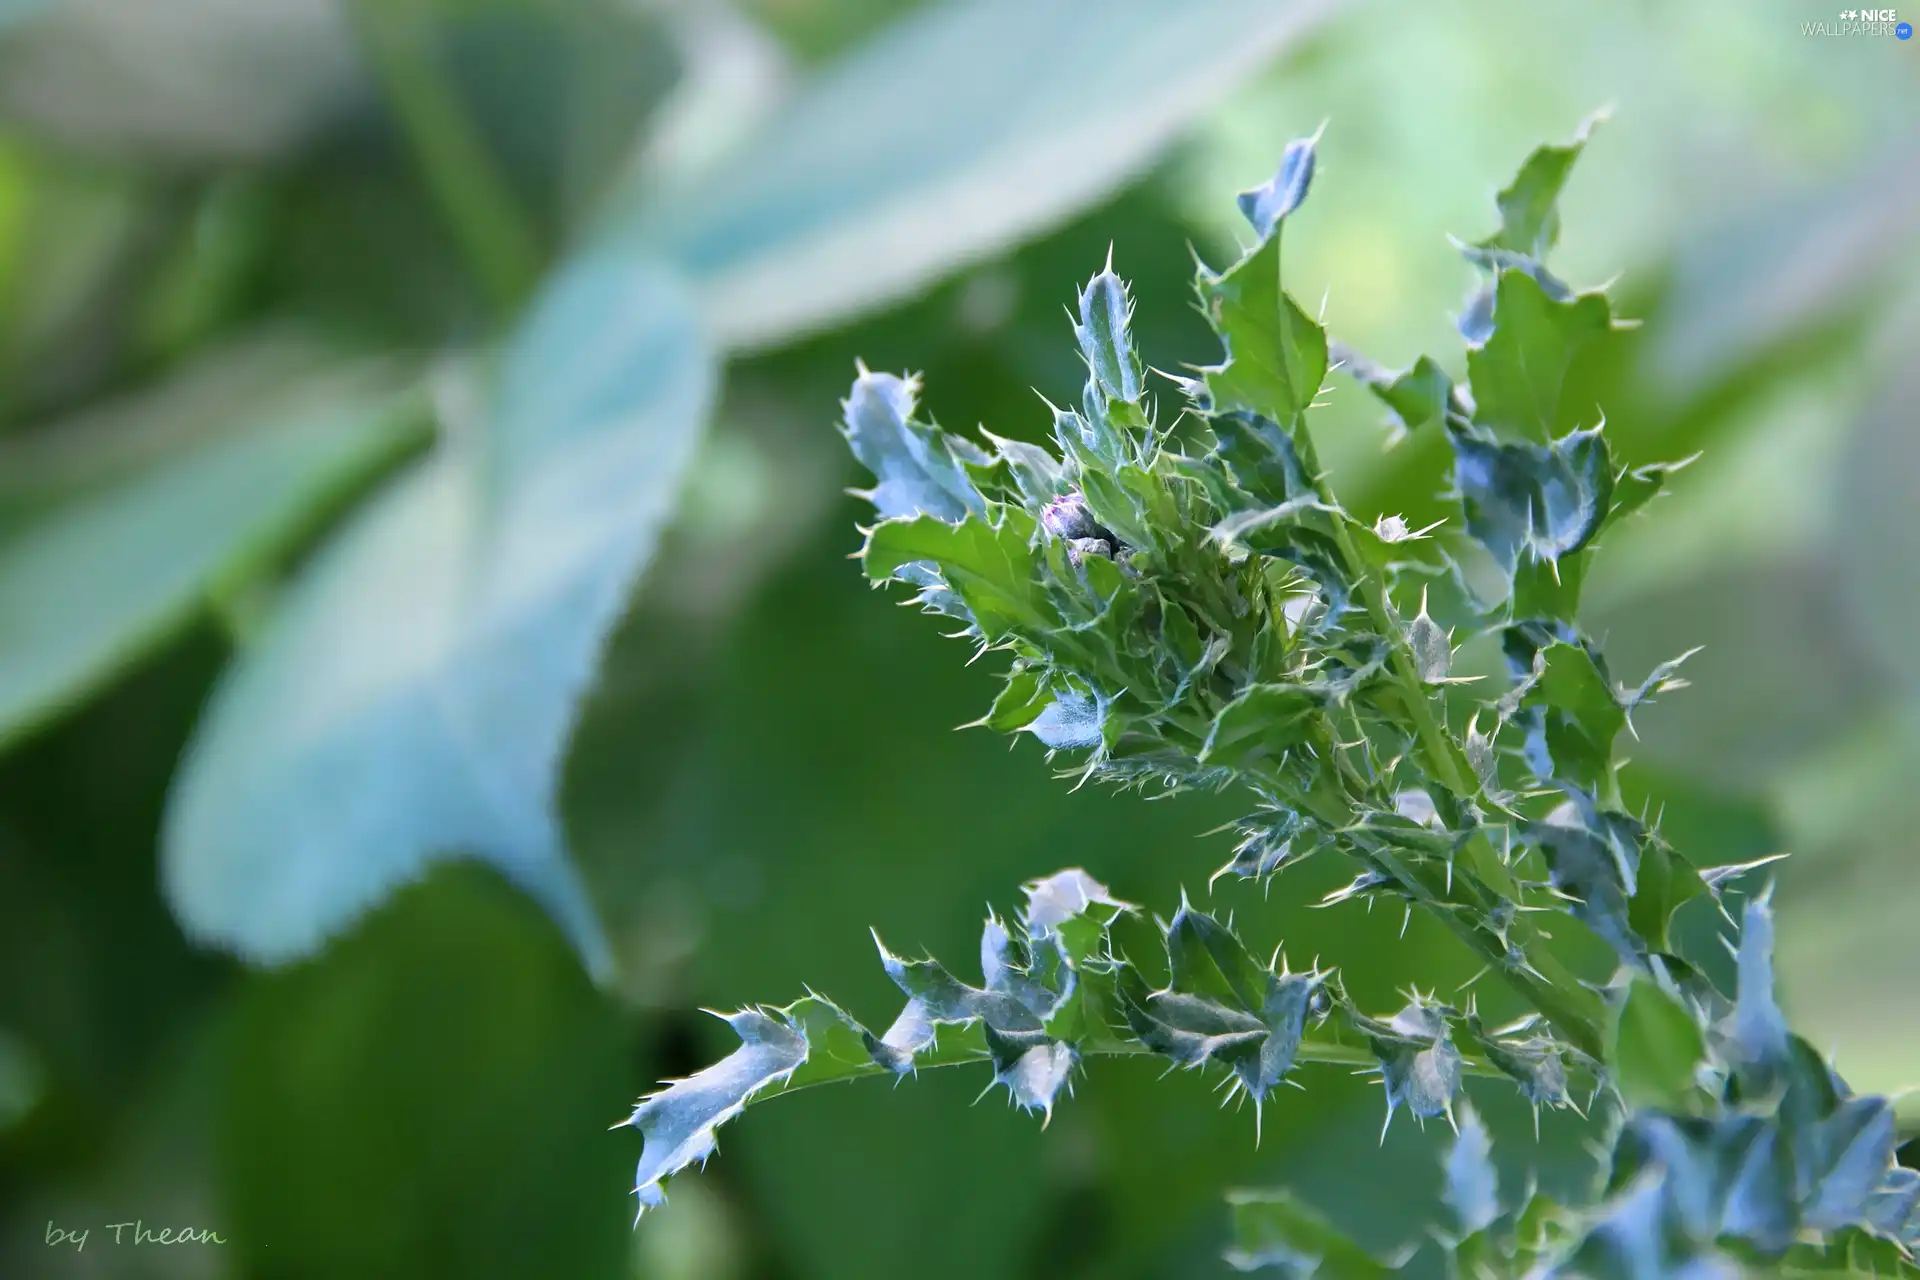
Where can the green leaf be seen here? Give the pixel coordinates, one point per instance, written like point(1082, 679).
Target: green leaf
point(1520, 375)
point(1591, 860)
point(88, 584)
point(1853, 1253)
point(1273, 1229)
point(992, 568)
point(1529, 212)
point(1637, 486)
point(1581, 716)
point(412, 697)
point(1548, 590)
point(1894, 1208)
point(1276, 356)
point(1266, 720)
point(1420, 395)
point(1760, 1048)
point(955, 132)
point(1655, 1049)
point(1024, 697)
point(1261, 456)
point(1664, 883)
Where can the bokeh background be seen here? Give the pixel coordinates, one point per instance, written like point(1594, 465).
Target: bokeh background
point(259, 260)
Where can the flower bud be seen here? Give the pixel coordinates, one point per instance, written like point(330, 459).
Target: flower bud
point(1078, 549)
point(1068, 517)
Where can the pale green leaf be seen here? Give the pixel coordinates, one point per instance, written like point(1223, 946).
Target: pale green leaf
point(957, 131)
point(412, 698)
point(142, 538)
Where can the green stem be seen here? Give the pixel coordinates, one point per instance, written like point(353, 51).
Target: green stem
point(1556, 992)
point(963, 1052)
point(494, 234)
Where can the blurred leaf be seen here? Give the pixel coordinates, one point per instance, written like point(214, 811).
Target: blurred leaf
point(1656, 1048)
point(820, 28)
point(1879, 494)
point(22, 1079)
point(560, 89)
point(1275, 1230)
point(12, 11)
point(441, 1081)
point(1790, 264)
point(1782, 673)
point(117, 528)
point(734, 74)
point(1473, 1185)
point(952, 133)
point(201, 81)
point(412, 699)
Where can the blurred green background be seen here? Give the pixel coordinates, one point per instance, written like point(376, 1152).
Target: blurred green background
point(352, 355)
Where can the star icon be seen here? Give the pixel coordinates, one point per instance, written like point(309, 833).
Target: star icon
point(1846, 15)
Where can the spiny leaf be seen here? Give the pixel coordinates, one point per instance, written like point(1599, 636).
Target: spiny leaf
point(1276, 356)
point(1664, 882)
point(1266, 720)
point(1536, 1064)
point(678, 1122)
point(1022, 700)
point(1416, 396)
point(1520, 373)
point(1222, 1005)
point(1432, 652)
point(1579, 717)
point(1894, 1207)
point(1655, 1049)
point(1106, 342)
point(1843, 1160)
point(1544, 500)
point(1261, 456)
point(1267, 204)
point(917, 466)
point(1529, 213)
point(1418, 1061)
point(1759, 1047)
point(991, 567)
point(1588, 869)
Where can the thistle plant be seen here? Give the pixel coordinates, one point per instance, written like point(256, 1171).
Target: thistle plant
point(1183, 603)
